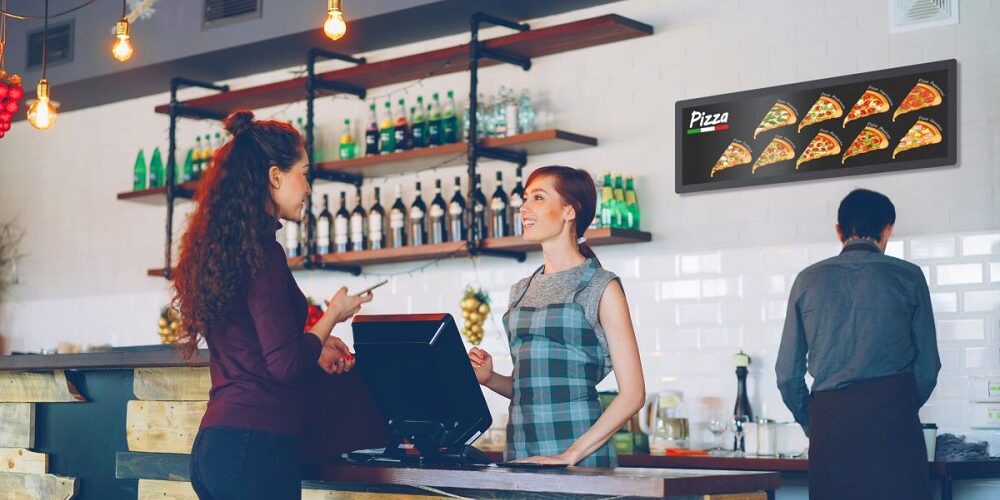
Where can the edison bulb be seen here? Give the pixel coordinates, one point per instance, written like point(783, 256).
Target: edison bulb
point(122, 49)
point(335, 26)
point(42, 111)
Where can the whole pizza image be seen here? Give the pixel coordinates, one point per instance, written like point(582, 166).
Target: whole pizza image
point(872, 106)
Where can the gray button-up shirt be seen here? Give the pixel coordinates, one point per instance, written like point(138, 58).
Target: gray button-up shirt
point(856, 316)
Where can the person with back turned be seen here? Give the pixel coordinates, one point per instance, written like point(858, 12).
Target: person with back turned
point(862, 323)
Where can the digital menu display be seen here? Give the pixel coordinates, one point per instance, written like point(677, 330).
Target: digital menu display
point(882, 121)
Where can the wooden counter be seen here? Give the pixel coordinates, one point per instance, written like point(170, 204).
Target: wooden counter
point(492, 481)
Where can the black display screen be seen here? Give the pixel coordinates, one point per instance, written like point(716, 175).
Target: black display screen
point(881, 121)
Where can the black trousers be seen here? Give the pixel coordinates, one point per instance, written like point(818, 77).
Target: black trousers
point(229, 463)
point(866, 443)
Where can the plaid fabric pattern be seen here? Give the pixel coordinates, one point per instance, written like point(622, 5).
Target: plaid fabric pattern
point(558, 361)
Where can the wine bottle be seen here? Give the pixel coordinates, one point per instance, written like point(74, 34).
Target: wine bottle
point(307, 230)
point(323, 226)
point(358, 220)
point(478, 201)
point(498, 210)
point(516, 200)
point(376, 223)
point(418, 220)
point(397, 221)
point(456, 213)
point(341, 226)
point(438, 216)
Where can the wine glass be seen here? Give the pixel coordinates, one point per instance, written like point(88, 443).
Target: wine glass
point(717, 425)
point(738, 422)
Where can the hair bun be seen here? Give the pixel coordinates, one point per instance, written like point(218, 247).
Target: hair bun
point(238, 121)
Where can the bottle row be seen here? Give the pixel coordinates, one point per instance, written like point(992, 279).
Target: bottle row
point(389, 131)
point(413, 224)
point(435, 124)
point(617, 205)
point(417, 223)
point(196, 161)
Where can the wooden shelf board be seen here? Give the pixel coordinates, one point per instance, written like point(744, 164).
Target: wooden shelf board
point(534, 43)
point(157, 196)
point(414, 160)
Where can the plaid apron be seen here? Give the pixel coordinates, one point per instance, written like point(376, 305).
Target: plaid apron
point(558, 361)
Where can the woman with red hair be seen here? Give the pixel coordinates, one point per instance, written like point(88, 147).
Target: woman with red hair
point(568, 324)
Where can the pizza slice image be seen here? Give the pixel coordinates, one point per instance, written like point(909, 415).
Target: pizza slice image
point(923, 133)
point(825, 108)
point(872, 102)
point(736, 154)
point(778, 116)
point(778, 150)
point(921, 96)
point(869, 139)
point(823, 145)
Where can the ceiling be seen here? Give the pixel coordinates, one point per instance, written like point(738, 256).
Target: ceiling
point(173, 41)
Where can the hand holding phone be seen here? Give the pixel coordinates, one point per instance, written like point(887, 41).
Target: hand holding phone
point(376, 285)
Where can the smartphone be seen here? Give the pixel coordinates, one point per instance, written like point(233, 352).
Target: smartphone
point(376, 285)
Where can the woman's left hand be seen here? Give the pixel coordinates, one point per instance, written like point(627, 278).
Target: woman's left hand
point(562, 458)
point(336, 357)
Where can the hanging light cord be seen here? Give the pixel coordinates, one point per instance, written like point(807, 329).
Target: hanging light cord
point(124, 11)
point(3, 36)
point(4, 13)
point(45, 38)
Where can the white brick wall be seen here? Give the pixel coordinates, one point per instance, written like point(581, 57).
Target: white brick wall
point(716, 276)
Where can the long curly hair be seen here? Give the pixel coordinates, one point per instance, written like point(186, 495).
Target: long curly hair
point(222, 248)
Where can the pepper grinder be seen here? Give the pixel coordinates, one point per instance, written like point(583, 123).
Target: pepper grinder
point(742, 413)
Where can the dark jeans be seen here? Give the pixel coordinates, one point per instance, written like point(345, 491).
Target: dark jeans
point(229, 463)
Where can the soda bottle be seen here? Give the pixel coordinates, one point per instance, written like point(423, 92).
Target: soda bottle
point(139, 172)
point(631, 204)
point(347, 148)
point(419, 114)
point(387, 131)
point(371, 132)
point(607, 201)
point(435, 134)
point(156, 170)
point(449, 121)
point(401, 129)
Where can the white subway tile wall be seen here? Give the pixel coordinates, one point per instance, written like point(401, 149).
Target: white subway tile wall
point(718, 272)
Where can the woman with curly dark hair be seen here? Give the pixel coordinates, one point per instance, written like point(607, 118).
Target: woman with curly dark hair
point(234, 289)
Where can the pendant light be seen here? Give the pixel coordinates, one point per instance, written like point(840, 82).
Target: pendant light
point(335, 26)
point(42, 110)
point(122, 49)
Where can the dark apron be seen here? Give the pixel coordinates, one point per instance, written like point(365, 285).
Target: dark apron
point(866, 443)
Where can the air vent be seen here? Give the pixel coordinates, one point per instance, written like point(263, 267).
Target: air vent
point(222, 12)
point(909, 15)
point(60, 46)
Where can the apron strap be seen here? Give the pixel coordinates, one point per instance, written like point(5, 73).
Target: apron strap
point(526, 286)
point(588, 274)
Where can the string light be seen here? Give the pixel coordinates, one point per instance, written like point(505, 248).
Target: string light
point(42, 110)
point(122, 49)
point(335, 26)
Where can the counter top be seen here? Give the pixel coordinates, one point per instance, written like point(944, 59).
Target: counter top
point(622, 481)
point(116, 359)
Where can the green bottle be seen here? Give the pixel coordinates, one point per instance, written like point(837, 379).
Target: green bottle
point(449, 121)
point(435, 132)
point(620, 217)
point(386, 131)
point(419, 114)
point(632, 204)
point(348, 149)
point(596, 223)
point(139, 172)
point(187, 174)
point(607, 201)
point(156, 170)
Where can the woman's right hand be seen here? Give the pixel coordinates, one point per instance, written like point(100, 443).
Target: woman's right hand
point(482, 364)
point(341, 307)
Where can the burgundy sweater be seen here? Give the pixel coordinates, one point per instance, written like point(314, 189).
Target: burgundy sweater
point(259, 354)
